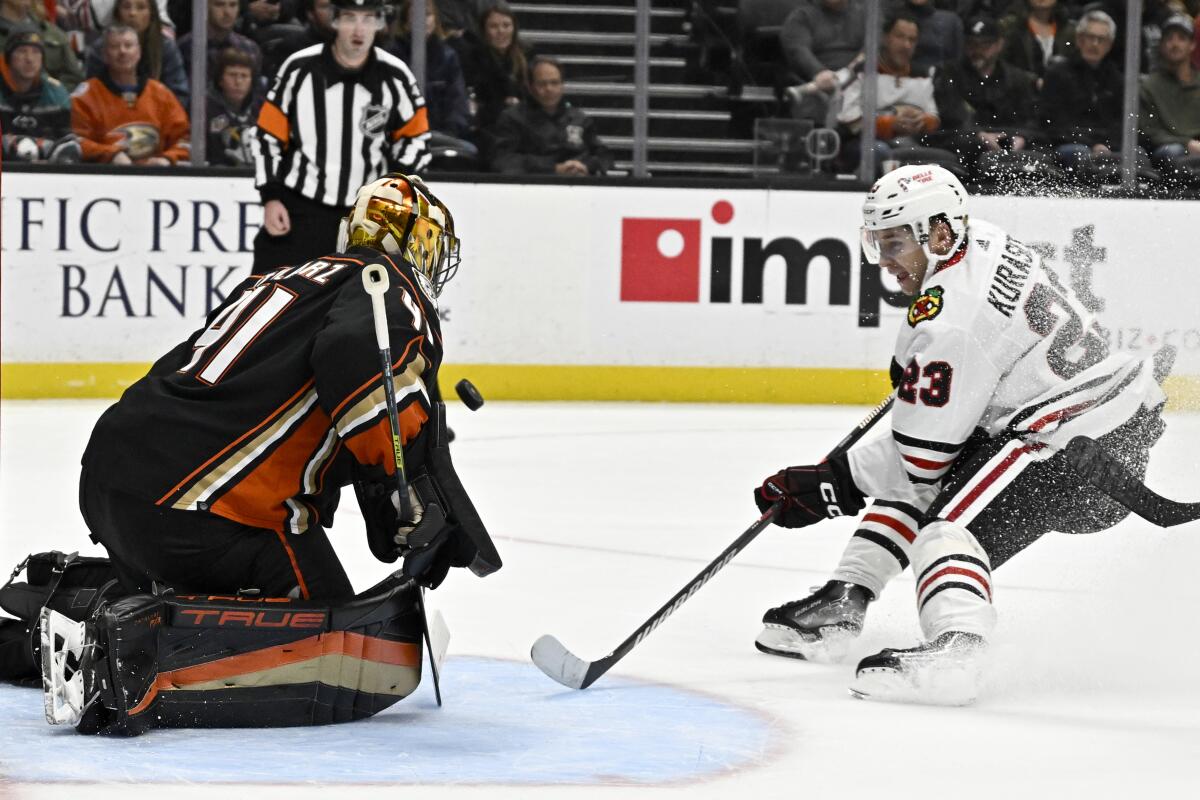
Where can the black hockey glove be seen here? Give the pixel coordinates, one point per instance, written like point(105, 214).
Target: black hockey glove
point(811, 494)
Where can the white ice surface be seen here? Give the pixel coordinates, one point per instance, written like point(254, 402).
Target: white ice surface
point(602, 511)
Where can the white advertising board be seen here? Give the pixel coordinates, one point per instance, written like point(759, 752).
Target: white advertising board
point(103, 269)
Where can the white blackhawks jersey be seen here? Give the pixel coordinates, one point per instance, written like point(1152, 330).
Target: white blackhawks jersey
point(996, 341)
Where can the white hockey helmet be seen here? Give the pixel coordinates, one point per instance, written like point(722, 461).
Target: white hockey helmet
point(915, 196)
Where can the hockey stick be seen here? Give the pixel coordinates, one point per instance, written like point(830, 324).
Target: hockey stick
point(573, 672)
point(1100, 469)
point(375, 281)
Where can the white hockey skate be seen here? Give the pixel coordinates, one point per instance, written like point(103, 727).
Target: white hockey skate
point(943, 672)
point(819, 628)
point(62, 650)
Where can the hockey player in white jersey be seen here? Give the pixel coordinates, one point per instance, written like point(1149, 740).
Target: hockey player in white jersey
point(997, 366)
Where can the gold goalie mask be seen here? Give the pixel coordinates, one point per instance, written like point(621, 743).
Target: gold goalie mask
point(398, 215)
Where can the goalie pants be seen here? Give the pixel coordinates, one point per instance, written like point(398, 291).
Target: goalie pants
point(1001, 496)
point(195, 552)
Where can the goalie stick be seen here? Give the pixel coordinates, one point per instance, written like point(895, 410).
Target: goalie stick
point(1100, 469)
point(573, 672)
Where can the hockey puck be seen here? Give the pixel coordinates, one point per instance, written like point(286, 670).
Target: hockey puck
point(470, 396)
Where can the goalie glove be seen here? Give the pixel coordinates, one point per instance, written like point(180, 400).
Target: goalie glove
point(811, 493)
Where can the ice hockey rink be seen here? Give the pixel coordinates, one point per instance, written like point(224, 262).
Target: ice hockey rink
point(601, 512)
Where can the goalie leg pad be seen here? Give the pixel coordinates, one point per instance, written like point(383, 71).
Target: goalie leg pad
point(214, 661)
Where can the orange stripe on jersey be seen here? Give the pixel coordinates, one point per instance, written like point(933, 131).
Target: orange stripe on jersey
point(269, 418)
point(257, 498)
point(291, 554)
point(272, 120)
point(414, 127)
point(373, 445)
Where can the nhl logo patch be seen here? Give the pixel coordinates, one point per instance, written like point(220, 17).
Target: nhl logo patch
point(927, 306)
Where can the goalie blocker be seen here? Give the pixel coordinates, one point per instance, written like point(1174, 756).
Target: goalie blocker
point(149, 661)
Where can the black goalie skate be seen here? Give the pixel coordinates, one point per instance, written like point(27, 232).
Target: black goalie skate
point(944, 672)
point(818, 628)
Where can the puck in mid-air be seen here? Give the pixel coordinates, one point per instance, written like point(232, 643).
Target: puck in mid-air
point(470, 396)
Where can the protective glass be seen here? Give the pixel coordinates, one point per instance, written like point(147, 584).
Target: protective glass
point(891, 242)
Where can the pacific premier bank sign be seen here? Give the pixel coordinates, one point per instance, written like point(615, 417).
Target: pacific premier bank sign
point(109, 267)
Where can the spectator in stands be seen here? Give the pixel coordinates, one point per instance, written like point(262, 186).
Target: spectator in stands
point(445, 89)
point(819, 39)
point(60, 62)
point(35, 109)
point(985, 104)
point(262, 17)
point(104, 13)
point(495, 66)
point(161, 60)
point(904, 95)
point(318, 29)
point(233, 105)
point(222, 17)
point(941, 39)
point(1083, 96)
point(1040, 32)
point(547, 135)
point(822, 37)
point(123, 117)
point(1170, 97)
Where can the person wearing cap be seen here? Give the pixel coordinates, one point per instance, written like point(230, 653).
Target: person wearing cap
point(986, 105)
point(1170, 96)
point(35, 109)
point(58, 58)
point(338, 116)
point(123, 117)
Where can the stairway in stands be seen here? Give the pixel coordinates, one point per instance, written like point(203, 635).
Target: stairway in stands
point(695, 127)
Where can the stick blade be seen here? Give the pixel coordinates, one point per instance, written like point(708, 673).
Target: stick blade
point(559, 663)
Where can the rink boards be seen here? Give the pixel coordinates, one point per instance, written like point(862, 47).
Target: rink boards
point(568, 292)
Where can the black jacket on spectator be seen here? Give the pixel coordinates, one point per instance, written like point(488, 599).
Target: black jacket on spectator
point(490, 79)
point(530, 141)
point(1004, 101)
point(939, 35)
point(1083, 104)
point(230, 140)
point(445, 89)
point(1021, 48)
point(43, 112)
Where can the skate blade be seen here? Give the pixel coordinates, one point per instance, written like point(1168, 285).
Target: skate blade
point(928, 686)
point(832, 647)
point(60, 637)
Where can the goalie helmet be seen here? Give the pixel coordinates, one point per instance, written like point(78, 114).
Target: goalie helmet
point(398, 215)
point(914, 196)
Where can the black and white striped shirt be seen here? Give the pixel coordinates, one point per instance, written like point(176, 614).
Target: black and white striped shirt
point(324, 131)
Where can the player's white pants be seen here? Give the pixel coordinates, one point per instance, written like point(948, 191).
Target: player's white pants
point(954, 581)
point(880, 548)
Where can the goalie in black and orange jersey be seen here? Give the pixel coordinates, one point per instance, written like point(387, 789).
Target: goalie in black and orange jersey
point(211, 482)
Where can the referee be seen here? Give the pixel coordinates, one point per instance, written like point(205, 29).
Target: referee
point(338, 116)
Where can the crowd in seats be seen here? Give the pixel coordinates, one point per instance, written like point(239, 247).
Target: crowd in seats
point(486, 108)
point(1019, 87)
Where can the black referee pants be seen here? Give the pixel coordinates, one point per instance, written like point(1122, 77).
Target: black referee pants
point(195, 552)
point(313, 234)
